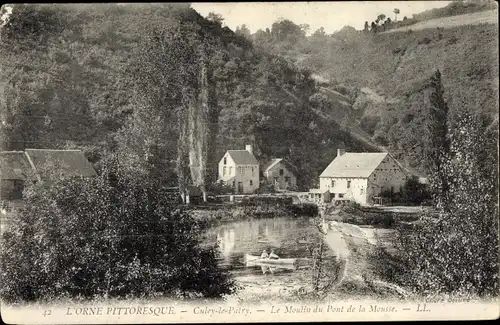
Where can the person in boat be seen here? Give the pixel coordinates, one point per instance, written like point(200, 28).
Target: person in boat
point(264, 254)
point(273, 256)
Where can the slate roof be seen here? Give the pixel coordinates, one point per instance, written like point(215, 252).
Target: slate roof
point(354, 164)
point(273, 162)
point(14, 165)
point(67, 162)
point(317, 191)
point(270, 164)
point(243, 157)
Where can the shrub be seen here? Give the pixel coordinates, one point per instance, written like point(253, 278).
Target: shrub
point(105, 237)
point(413, 192)
point(265, 188)
point(220, 188)
point(425, 41)
point(304, 209)
point(455, 251)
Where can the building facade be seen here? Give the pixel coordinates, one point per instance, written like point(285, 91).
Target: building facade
point(34, 165)
point(280, 173)
point(361, 177)
point(319, 196)
point(240, 170)
point(17, 167)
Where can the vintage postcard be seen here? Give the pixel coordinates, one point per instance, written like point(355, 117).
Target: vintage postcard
point(249, 162)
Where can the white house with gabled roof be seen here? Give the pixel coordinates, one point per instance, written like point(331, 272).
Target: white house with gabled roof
point(362, 176)
point(240, 169)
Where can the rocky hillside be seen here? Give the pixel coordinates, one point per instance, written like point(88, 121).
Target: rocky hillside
point(117, 80)
point(377, 81)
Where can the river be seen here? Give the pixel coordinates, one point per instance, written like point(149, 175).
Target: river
point(289, 238)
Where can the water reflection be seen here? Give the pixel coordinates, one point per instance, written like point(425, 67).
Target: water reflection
point(289, 237)
point(226, 241)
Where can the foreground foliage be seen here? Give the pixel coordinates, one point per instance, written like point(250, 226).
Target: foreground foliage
point(106, 237)
point(455, 250)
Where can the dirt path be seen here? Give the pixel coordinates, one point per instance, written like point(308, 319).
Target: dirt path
point(477, 18)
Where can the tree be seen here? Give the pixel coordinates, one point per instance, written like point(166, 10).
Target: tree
point(414, 192)
point(396, 13)
point(305, 28)
point(215, 17)
point(115, 235)
point(367, 27)
point(437, 138)
point(456, 251)
point(374, 27)
point(286, 30)
point(320, 32)
point(380, 18)
point(243, 31)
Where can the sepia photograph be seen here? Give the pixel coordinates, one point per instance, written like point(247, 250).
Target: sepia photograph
point(249, 162)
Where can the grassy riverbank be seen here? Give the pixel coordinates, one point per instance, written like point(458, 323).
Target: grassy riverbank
point(213, 214)
point(379, 217)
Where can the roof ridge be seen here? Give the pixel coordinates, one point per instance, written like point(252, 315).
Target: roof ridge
point(53, 149)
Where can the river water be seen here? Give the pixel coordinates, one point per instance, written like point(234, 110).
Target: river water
point(288, 237)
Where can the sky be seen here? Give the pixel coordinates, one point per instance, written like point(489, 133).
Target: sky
point(332, 16)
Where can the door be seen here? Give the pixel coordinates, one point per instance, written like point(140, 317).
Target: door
point(240, 187)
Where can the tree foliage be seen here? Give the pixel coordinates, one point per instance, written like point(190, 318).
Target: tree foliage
point(456, 251)
point(438, 147)
point(125, 81)
point(109, 236)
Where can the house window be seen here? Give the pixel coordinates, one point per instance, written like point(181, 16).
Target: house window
point(253, 172)
point(348, 184)
point(276, 180)
point(225, 161)
point(361, 191)
point(341, 195)
point(251, 182)
point(230, 170)
point(333, 183)
point(224, 171)
point(242, 171)
point(333, 195)
point(281, 172)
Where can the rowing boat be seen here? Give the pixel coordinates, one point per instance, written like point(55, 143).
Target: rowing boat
point(258, 260)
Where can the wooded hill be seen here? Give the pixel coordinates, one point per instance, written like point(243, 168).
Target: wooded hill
point(157, 87)
point(377, 84)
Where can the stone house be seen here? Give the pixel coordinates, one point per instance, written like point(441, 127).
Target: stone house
point(240, 170)
point(361, 177)
point(280, 173)
point(18, 167)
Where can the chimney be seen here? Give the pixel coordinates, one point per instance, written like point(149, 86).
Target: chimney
point(340, 152)
point(249, 148)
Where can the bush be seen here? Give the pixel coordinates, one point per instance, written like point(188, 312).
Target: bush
point(267, 200)
point(100, 237)
point(265, 188)
point(413, 192)
point(424, 40)
point(220, 188)
point(304, 209)
point(455, 251)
